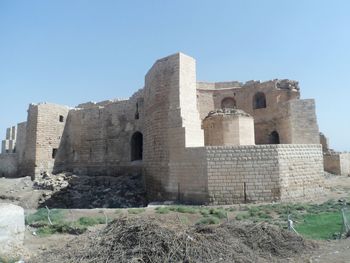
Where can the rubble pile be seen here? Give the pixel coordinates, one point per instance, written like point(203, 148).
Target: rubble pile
point(67, 190)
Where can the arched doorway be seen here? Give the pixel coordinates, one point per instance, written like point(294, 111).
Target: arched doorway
point(136, 146)
point(274, 138)
point(228, 103)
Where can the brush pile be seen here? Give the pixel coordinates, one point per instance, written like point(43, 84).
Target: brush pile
point(147, 240)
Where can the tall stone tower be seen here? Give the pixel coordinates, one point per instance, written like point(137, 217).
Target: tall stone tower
point(172, 123)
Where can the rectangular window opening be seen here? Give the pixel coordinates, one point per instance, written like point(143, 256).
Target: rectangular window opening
point(54, 152)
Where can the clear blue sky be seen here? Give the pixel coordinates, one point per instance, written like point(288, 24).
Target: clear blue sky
point(72, 51)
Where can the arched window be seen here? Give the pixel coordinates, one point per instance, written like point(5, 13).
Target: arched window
point(259, 101)
point(136, 146)
point(228, 103)
point(274, 138)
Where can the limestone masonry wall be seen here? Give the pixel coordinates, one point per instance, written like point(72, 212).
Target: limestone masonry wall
point(43, 135)
point(301, 171)
point(97, 139)
point(172, 123)
point(238, 174)
point(263, 173)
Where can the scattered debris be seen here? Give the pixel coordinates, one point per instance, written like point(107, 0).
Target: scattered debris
point(67, 190)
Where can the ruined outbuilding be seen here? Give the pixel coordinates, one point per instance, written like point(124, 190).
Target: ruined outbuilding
point(197, 142)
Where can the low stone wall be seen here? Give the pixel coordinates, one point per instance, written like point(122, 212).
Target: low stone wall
point(301, 171)
point(241, 174)
point(332, 163)
point(8, 165)
point(337, 163)
point(263, 173)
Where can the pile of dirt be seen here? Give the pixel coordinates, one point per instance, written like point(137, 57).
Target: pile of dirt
point(72, 191)
point(147, 240)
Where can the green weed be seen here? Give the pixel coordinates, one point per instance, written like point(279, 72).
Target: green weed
point(41, 216)
point(91, 221)
point(211, 220)
point(162, 210)
point(136, 211)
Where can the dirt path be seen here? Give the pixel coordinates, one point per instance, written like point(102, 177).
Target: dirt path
point(337, 251)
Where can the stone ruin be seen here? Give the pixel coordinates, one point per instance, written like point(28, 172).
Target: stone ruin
point(193, 142)
point(334, 162)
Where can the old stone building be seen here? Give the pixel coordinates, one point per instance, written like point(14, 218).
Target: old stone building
point(197, 142)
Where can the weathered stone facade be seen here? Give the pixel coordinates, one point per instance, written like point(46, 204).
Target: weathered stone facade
point(159, 132)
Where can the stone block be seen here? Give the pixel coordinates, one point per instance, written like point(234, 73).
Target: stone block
point(11, 229)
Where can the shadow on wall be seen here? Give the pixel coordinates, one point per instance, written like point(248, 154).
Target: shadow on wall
point(95, 191)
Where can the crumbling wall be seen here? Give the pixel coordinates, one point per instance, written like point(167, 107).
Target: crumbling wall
point(263, 173)
point(44, 130)
point(21, 141)
point(337, 163)
point(9, 144)
point(324, 142)
point(332, 163)
point(97, 139)
point(13, 151)
point(8, 165)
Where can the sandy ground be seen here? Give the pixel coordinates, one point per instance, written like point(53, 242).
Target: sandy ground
point(20, 192)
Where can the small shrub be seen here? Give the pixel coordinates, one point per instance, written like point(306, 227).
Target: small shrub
point(242, 216)
point(162, 210)
point(56, 216)
point(208, 221)
point(231, 209)
point(253, 211)
point(263, 215)
point(184, 209)
point(300, 207)
point(91, 221)
point(136, 211)
point(61, 228)
point(219, 213)
point(205, 212)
